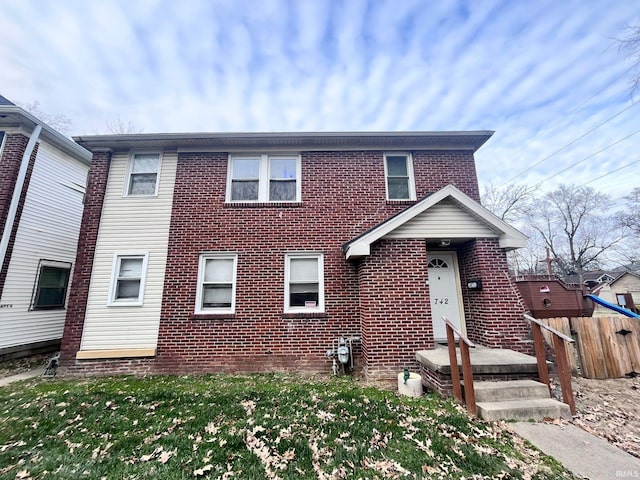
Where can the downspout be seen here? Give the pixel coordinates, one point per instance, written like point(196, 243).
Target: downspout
point(17, 191)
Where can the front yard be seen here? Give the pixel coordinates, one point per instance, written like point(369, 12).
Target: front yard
point(249, 427)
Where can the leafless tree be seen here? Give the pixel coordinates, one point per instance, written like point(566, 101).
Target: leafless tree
point(118, 127)
point(574, 223)
point(57, 121)
point(631, 45)
point(509, 202)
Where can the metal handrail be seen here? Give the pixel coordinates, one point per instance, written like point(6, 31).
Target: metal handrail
point(467, 371)
point(564, 372)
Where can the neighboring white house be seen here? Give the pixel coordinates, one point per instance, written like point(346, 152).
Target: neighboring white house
point(43, 176)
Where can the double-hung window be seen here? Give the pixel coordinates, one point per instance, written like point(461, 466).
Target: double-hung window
point(398, 169)
point(264, 178)
point(143, 174)
point(128, 279)
point(217, 283)
point(304, 282)
point(51, 285)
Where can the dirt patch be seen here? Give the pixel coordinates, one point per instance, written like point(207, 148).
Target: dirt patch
point(20, 365)
point(610, 409)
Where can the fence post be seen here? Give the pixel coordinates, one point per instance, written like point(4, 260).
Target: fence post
point(453, 362)
point(564, 373)
point(541, 357)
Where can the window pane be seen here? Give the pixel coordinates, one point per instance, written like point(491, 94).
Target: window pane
point(398, 188)
point(130, 268)
point(282, 168)
point(143, 184)
point(397, 166)
point(282, 191)
point(299, 294)
point(145, 164)
point(243, 190)
point(218, 270)
point(50, 297)
point(217, 296)
point(246, 168)
point(53, 277)
point(127, 289)
point(303, 270)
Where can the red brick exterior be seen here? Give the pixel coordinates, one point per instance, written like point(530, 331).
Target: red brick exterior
point(494, 315)
point(77, 304)
point(395, 310)
point(14, 148)
point(382, 298)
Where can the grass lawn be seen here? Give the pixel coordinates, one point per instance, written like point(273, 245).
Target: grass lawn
point(249, 427)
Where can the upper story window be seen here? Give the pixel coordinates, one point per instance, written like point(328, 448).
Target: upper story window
point(144, 169)
point(128, 279)
point(216, 283)
point(51, 285)
point(304, 282)
point(264, 178)
point(398, 169)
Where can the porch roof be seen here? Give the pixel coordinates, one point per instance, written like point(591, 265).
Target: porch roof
point(469, 220)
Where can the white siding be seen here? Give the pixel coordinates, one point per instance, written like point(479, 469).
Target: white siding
point(445, 219)
point(48, 229)
point(129, 224)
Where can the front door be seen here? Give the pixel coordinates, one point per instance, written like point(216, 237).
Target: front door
point(444, 288)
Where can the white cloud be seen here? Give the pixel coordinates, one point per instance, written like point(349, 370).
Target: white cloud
point(539, 73)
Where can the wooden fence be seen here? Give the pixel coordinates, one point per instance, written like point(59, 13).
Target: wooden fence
point(607, 347)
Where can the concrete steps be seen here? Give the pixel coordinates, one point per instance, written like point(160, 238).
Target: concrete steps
point(517, 400)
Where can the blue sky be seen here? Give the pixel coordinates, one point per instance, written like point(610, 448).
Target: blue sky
point(540, 73)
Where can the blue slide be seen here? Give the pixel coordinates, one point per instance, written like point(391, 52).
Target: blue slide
point(612, 306)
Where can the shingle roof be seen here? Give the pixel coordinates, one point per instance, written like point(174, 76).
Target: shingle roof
point(4, 101)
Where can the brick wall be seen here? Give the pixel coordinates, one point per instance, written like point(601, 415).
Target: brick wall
point(14, 148)
point(343, 195)
point(395, 311)
point(77, 304)
point(494, 315)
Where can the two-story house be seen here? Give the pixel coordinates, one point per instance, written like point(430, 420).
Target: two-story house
point(253, 252)
point(42, 181)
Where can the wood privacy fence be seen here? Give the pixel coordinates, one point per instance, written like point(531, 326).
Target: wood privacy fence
point(607, 347)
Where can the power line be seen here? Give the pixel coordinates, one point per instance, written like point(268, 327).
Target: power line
point(587, 158)
point(570, 143)
point(610, 173)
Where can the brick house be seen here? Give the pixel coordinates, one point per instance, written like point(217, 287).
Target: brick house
point(258, 252)
point(42, 180)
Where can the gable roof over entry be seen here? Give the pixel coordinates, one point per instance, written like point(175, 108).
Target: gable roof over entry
point(447, 213)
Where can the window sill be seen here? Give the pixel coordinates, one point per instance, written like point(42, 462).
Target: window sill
point(401, 202)
point(262, 204)
point(213, 316)
point(305, 315)
point(120, 353)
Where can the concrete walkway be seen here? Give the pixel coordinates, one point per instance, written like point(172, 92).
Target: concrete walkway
point(21, 376)
point(580, 452)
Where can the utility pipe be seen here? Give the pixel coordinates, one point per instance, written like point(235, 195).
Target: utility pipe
point(17, 191)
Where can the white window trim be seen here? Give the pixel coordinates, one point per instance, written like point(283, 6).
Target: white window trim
point(201, 269)
point(117, 256)
point(53, 264)
point(127, 182)
point(287, 263)
point(264, 177)
point(412, 183)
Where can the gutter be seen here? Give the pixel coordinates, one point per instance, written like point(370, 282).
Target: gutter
point(17, 191)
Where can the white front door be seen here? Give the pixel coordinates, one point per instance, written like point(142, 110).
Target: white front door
point(444, 293)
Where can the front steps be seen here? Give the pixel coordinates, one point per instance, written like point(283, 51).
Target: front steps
point(517, 400)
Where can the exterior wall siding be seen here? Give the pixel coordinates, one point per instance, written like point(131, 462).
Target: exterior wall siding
point(46, 228)
point(129, 223)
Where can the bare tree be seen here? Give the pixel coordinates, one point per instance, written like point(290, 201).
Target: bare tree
point(631, 217)
point(57, 121)
point(574, 224)
point(118, 127)
point(631, 45)
point(509, 202)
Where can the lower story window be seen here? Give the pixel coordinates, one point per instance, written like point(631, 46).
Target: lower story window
point(128, 279)
point(51, 285)
point(304, 282)
point(216, 283)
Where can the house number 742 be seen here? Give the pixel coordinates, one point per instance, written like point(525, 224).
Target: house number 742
point(441, 301)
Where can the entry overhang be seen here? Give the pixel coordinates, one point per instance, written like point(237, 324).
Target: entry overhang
point(509, 238)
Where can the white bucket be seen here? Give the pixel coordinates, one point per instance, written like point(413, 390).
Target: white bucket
point(413, 387)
